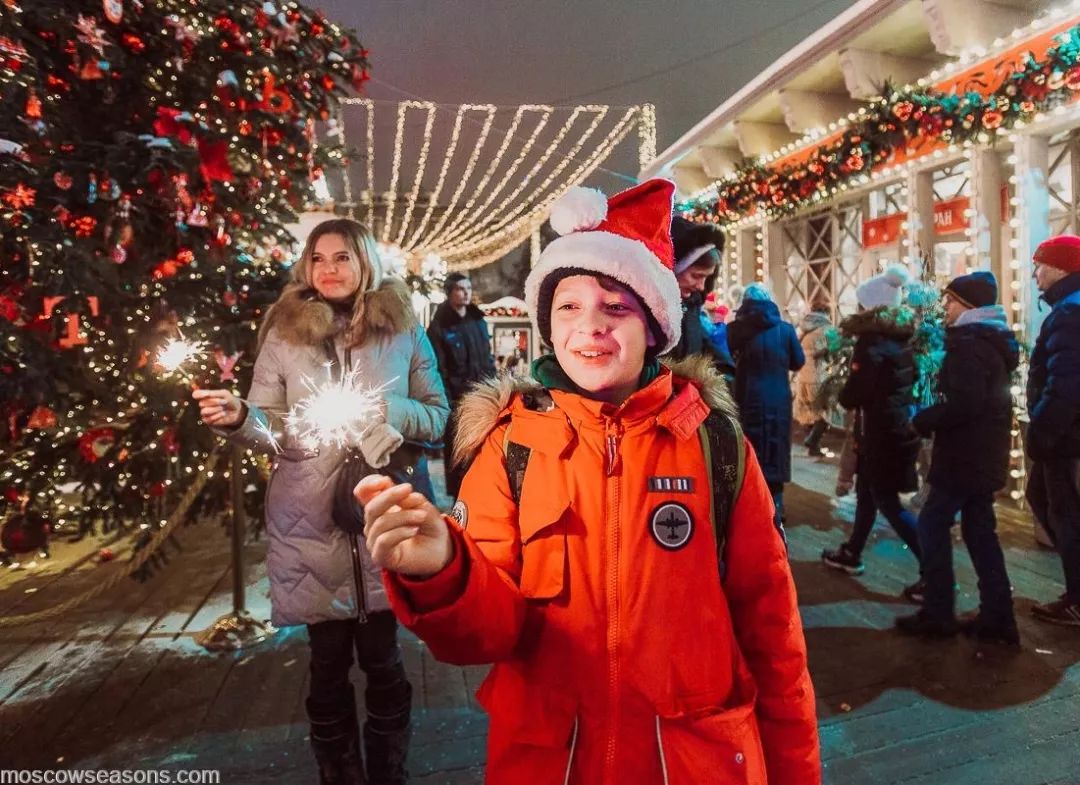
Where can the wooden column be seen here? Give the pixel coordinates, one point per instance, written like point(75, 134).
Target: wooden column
point(920, 220)
point(985, 226)
point(1033, 212)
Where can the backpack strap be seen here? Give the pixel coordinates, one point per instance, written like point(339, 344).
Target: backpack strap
point(723, 448)
point(516, 458)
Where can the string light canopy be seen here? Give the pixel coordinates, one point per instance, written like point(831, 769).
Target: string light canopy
point(468, 183)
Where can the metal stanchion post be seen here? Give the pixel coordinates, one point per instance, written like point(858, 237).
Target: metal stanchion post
point(236, 630)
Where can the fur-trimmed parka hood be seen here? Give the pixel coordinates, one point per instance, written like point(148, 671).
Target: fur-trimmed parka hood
point(303, 318)
point(481, 409)
point(896, 322)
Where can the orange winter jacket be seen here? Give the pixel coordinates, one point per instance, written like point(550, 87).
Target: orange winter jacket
point(620, 657)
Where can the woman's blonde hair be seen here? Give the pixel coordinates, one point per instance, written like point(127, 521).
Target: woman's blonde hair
point(364, 261)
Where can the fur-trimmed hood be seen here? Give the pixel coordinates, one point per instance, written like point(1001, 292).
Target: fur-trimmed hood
point(890, 321)
point(303, 318)
point(481, 409)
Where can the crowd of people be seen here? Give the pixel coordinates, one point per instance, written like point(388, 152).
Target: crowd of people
point(628, 489)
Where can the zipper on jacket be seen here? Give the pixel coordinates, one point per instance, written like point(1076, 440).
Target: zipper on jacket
point(573, 746)
point(358, 578)
point(354, 539)
point(660, 746)
point(612, 433)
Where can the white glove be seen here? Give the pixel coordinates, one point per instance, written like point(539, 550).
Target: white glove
point(379, 444)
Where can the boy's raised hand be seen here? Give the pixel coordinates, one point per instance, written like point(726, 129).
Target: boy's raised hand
point(404, 531)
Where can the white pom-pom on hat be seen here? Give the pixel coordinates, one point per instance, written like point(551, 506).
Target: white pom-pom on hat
point(884, 289)
point(579, 209)
point(897, 275)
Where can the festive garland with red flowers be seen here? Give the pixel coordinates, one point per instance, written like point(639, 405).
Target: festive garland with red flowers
point(896, 120)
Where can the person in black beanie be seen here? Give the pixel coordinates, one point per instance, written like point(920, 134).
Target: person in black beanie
point(698, 249)
point(462, 345)
point(971, 427)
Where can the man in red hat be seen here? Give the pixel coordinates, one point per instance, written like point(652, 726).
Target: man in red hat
point(1053, 397)
point(634, 640)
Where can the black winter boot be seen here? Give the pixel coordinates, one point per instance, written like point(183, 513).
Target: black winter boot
point(387, 732)
point(813, 441)
point(335, 739)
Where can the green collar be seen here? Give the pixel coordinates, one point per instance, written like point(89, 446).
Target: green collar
point(546, 370)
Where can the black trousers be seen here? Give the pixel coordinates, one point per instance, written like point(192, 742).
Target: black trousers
point(388, 695)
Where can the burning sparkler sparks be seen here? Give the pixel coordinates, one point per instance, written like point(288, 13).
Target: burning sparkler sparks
point(176, 352)
point(339, 412)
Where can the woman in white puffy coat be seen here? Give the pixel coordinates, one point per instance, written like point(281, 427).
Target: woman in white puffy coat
point(321, 575)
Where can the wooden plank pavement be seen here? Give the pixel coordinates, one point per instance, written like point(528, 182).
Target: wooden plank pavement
point(119, 682)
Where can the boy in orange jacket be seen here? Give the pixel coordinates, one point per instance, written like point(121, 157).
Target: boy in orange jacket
point(594, 582)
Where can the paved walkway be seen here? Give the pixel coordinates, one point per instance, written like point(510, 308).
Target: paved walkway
point(120, 683)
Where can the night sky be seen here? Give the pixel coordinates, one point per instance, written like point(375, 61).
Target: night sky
point(579, 51)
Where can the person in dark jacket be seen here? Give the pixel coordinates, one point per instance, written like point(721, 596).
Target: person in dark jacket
point(971, 424)
point(698, 249)
point(766, 351)
point(1053, 398)
point(462, 345)
point(879, 390)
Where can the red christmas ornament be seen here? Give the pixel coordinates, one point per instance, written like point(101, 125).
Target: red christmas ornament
point(41, 419)
point(11, 495)
point(157, 490)
point(106, 554)
point(95, 443)
point(135, 44)
point(214, 162)
point(228, 298)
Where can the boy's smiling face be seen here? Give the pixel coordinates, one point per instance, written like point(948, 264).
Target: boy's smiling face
point(600, 336)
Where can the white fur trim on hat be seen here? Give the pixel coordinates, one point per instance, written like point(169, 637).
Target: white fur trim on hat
point(578, 209)
point(693, 256)
point(884, 289)
point(629, 262)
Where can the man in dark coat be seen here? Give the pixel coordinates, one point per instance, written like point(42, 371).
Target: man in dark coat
point(698, 249)
point(462, 345)
point(971, 427)
point(1053, 398)
point(879, 390)
point(766, 351)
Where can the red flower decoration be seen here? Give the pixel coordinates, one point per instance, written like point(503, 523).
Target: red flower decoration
point(95, 443)
point(992, 118)
point(214, 163)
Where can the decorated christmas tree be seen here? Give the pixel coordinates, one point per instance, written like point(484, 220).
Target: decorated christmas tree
point(151, 155)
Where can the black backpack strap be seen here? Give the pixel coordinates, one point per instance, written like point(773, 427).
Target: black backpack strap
point(722, 446)
point(516, 458)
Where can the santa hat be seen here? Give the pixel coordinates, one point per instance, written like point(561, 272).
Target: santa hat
point(1062, 252)
point(884, 289)
point(627, 238)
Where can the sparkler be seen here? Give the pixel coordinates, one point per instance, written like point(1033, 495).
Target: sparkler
point(175, 353)
point(339, 412)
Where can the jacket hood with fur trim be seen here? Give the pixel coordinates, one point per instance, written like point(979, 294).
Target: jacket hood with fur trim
point(482, 408)
point(303, 318)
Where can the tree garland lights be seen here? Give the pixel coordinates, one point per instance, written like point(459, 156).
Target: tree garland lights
point(896, 121)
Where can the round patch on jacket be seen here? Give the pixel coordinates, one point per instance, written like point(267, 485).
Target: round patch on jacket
point(460, 513)
point(671, 525)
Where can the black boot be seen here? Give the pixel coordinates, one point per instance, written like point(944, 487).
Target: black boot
point(387, 732)
point(335, 739)
point(813, 441)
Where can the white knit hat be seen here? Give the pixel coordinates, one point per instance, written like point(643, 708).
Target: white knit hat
point(627, 238)
point(884, 289)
